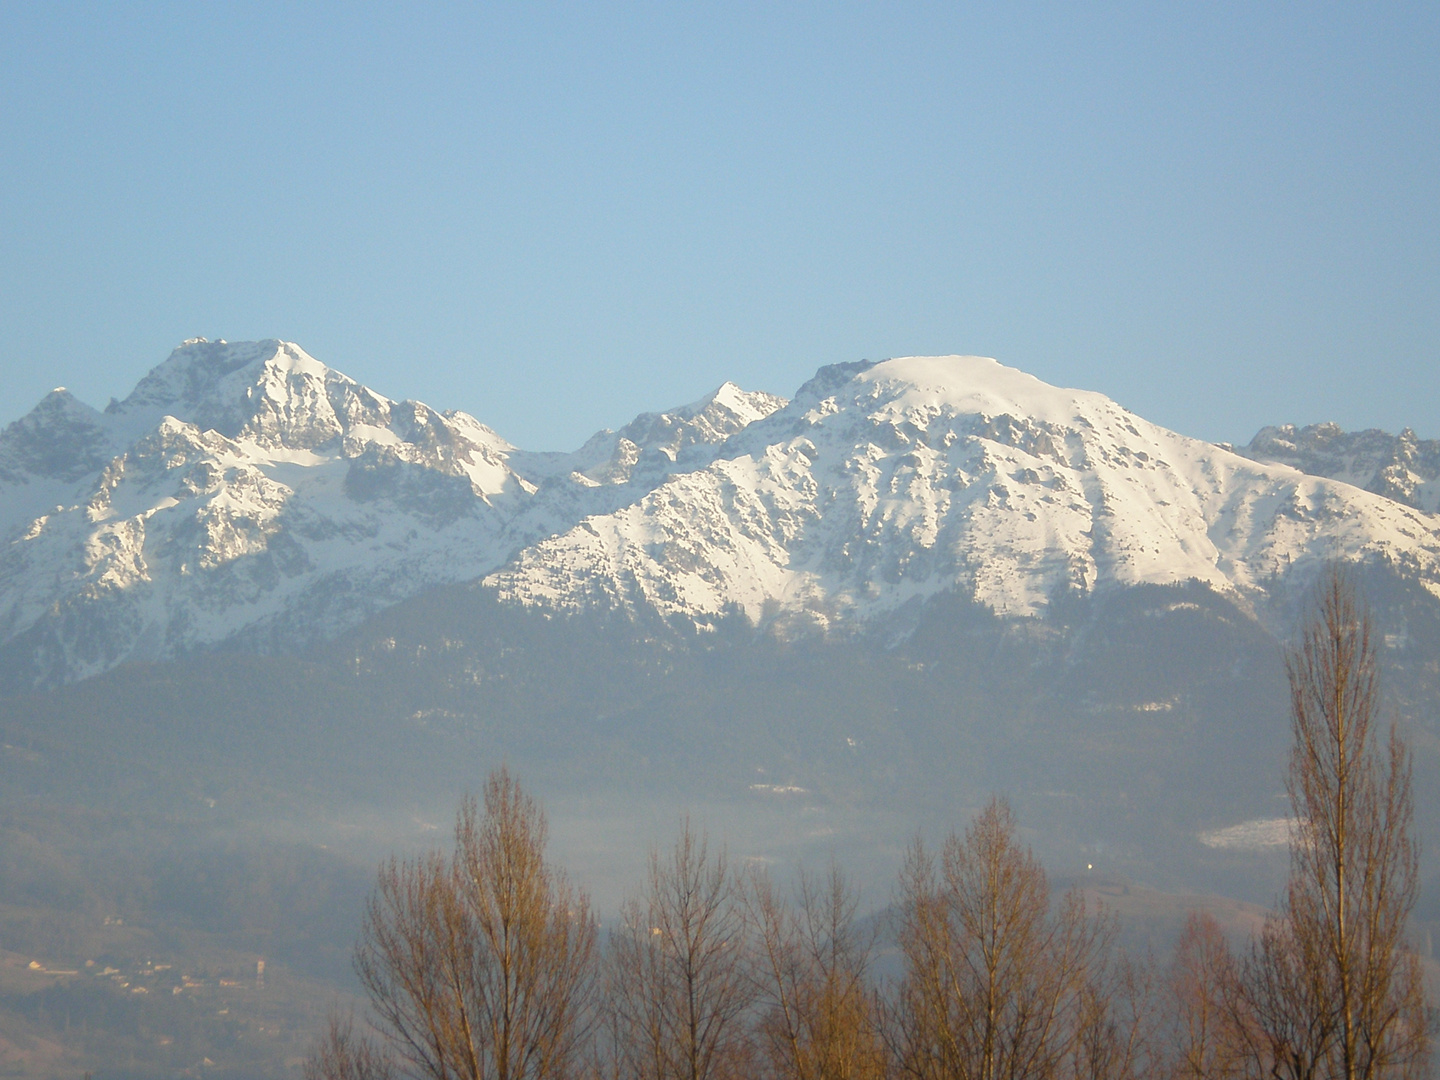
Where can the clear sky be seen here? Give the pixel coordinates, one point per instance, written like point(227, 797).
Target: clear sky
point(556, 216)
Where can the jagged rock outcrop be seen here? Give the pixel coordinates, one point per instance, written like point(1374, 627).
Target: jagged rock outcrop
point(1402, 467)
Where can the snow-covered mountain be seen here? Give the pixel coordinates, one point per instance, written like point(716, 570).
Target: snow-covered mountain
point(1401, 467)
point(881, 485)
point(246, 493)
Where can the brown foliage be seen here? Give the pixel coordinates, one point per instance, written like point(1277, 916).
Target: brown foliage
point(820, 1019)
point(344, 1055)
point(479, 965)
point(995, 986)
point(679, 984)
point(1204, 1042)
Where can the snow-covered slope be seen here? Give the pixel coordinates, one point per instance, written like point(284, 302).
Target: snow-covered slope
point(654, 445)
point(884, 484)
point(1401, 467)
point(246, 493)
point(615, 468)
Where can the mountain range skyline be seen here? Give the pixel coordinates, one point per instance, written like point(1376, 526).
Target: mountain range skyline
point(1306, 428)
point(262, 625)
point(1190, 211)
point(1297, 415)
point(246, 494)
point(605, 393)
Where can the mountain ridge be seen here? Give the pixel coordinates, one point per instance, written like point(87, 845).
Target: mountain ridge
point(882, 484)
point(1401, 467)
point(245, 495)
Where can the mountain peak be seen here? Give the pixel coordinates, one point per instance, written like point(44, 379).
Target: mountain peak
point(754, 404)
point(976, 385)
point(1402, 467)
point(192, 371)
point(61, 401)
point(710, 420)
point(61, 437)
point(656, 444)
point(953, 384)
point(830, 378)
point(245, 490)
point(270, 392)
point(884, 484)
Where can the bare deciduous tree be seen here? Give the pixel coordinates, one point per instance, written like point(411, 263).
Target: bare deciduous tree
point(344, 1055)
point(1278, 1006)
point(820, 1018)
point(1333, 987)
point(1204, 1044)
point(1114, 1017)
point(479, 966)
point(679, 983)
point(993, 983)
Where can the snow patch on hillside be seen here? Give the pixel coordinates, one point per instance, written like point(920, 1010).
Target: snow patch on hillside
point(1258, 835)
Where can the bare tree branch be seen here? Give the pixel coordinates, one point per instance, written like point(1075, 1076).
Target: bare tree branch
point(994, 984)
point(679, 983)
point(344, 1055)
point(819, 1020)
point(480, 966)
point(1332, 986)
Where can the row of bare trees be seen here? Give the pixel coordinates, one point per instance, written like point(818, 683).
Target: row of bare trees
point(487, 963)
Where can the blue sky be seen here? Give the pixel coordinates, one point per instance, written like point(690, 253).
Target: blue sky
point(556, 216)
